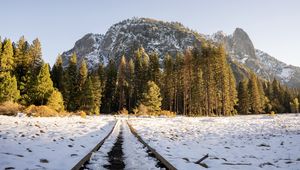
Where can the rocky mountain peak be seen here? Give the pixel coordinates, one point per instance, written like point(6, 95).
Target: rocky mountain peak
point(241, 43)
point(88, 48)
point(125, 37)
point(154, 35)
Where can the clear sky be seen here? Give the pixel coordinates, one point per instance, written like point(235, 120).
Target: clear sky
point(273, 25)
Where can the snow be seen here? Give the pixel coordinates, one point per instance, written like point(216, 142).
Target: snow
point(286, 74)
point(244, 60)
point(281, 70)
point(259, 141)
point(239, 142)
point(49, 143)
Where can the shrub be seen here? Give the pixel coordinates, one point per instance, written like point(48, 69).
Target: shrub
point(96, 110)
point(142, 109)
point(272, 113)
point(56, 101)
point(135, 111)
point(43, 111)
point(166, 113)
point(10, 108)
point(123, 112)
point(82, 114)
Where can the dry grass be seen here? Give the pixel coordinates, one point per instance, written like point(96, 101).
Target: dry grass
point(272, 113)
point(10, 108)
point(82, 114)
point(43, 111)
point(166, 113)
point(123, 112)
point(143, 110)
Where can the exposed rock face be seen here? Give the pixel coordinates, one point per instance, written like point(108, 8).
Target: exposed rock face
point(88, 48)
point(124, 37)
point(154, 36)
point(241, 44)
point(164, 37)
point(241, 49)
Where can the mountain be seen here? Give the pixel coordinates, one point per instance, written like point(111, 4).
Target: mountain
point(89, 48)
point(241, 49)
point(124, 37)
point(170, 37)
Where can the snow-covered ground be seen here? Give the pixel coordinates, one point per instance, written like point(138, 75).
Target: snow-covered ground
point(240, 142)
point(49, 143)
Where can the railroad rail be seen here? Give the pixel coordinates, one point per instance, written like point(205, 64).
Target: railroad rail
point(86, 158)
point(166, 163)
point(81, 164)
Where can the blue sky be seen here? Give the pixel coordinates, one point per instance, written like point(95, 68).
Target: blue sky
point(273, 25)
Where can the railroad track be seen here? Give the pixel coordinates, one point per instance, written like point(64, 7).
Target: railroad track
point(86, 158)
point(113, 155)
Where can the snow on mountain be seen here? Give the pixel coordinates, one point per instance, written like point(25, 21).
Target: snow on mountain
point(154, 36)
point(241, 49)
point(88, 48)
point(124, 37)
point(170, 37)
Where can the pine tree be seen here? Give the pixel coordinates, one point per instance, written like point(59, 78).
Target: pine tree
point(23, 71)
point(122, 83)
point(255, 98)
point(187, 83)
point(233, 94)
point(35, 54)
point(43, 86)
point(130, 78)
point(139, 76)
point(8, 88)
point(154, 68)
point(262, 94)
point(110, 104)
point(97, 93)
point(87, 99)
point(277, 97)
point(208, 65)
point(178, 81)
point(151, 97)
point(55, 101)
point(145, 70)
point(22, 60)
point(222, 80)
point(168, 85)
point(243, 97)
point(197, 87)
point(101, 74)
point(287, 96)
point(82, 77)
point(145, 66)
point(71, 84)
point(8, 83)
point(6, 57)
point(57, 74)
point(198, 93)
point(294, 105)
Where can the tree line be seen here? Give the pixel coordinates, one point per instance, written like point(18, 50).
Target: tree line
point(198, 81)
